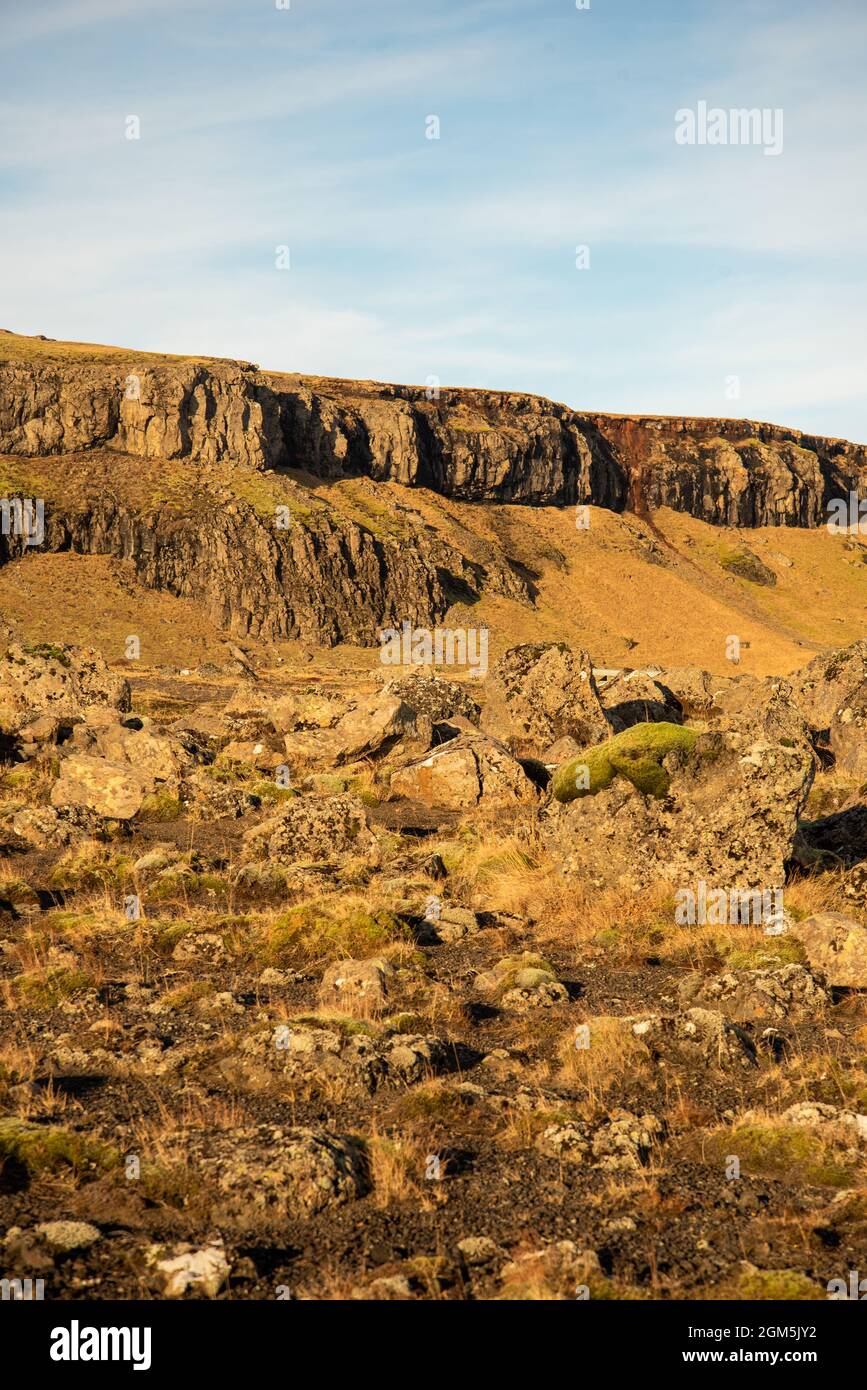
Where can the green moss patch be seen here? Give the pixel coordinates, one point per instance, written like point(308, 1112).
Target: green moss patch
point(789, 1152)
point(744, 565)
point(636, 754)
point(29, 1150)
point(787, 1285)
point(325, 932)
point(44, 990)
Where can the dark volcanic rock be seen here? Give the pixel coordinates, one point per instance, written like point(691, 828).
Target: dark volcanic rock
point(474, 445)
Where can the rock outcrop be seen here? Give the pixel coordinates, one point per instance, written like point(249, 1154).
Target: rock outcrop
point(543, 692)
point(832, 694)
point(475, 445)
point(470, 770)
point(726, 810)
point(325, 579)
point(836, 945)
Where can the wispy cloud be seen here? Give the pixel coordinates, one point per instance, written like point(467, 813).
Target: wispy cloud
point(455, 257)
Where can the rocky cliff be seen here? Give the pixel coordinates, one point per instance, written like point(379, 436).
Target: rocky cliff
point(478, 446)
point(323, 577)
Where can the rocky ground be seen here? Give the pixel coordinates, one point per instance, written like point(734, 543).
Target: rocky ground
point(323, 981)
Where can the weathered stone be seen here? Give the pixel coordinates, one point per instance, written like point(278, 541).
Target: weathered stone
point(435, 697)
point(356, 982)
point(696, 1038)
point(295, 1051)
point(267, 1174)
point(729, 817)
point(522, 982)
point(622, 1143)
point(468, 771)
point(313, 829)
point(790, 991)
point(65, 1236)
point(45, 686)
point(183, 1269)
point(832, 692)
point(837, 946)
point(692, 688)
point(115, 790)
point(545, 692)
point(637, 698)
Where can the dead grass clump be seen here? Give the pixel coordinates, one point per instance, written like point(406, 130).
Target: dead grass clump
point(599, 1055)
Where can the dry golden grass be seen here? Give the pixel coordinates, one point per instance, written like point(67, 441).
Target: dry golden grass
point(97, 601)
point(397, 1166)
point(21, 347)
point(614, 1054)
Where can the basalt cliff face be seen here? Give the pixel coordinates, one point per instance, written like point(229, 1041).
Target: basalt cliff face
point(478, 446)
point(182, 467)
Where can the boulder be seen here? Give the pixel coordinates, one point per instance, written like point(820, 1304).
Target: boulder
point(522, 983)
point(831, 682)
point(266, 1174)
point(722, 806)
point(837, 946)
point(692, 688)
point(541, 692)
point(696, 1038)
point(44, 687)
point(754, 996)
point(637, 698)
point(312, 829)
point(350, 984)
point(66, 1236)
point(161, 758)
point(435, 697)
point(468, 771)
point(184, 1269)
point(114, 790)
point(831, 692)
point(373, 727)
point(298, 1051)
point(622, 1143)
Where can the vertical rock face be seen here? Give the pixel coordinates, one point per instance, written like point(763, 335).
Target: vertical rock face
point(732, 472)
point(163, 411)
point(205, 414)
point(481, 446)
point(832, 693)
point(475, 445)
point(54, 410)
point(330, 578)
point(326, 581)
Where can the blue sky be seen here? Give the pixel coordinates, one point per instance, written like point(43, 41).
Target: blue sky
point(453, 258)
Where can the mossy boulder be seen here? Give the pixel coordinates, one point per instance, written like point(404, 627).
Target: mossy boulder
point(636, 754)
point(28, 1150)
point(721, 805)
point(742, 563)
